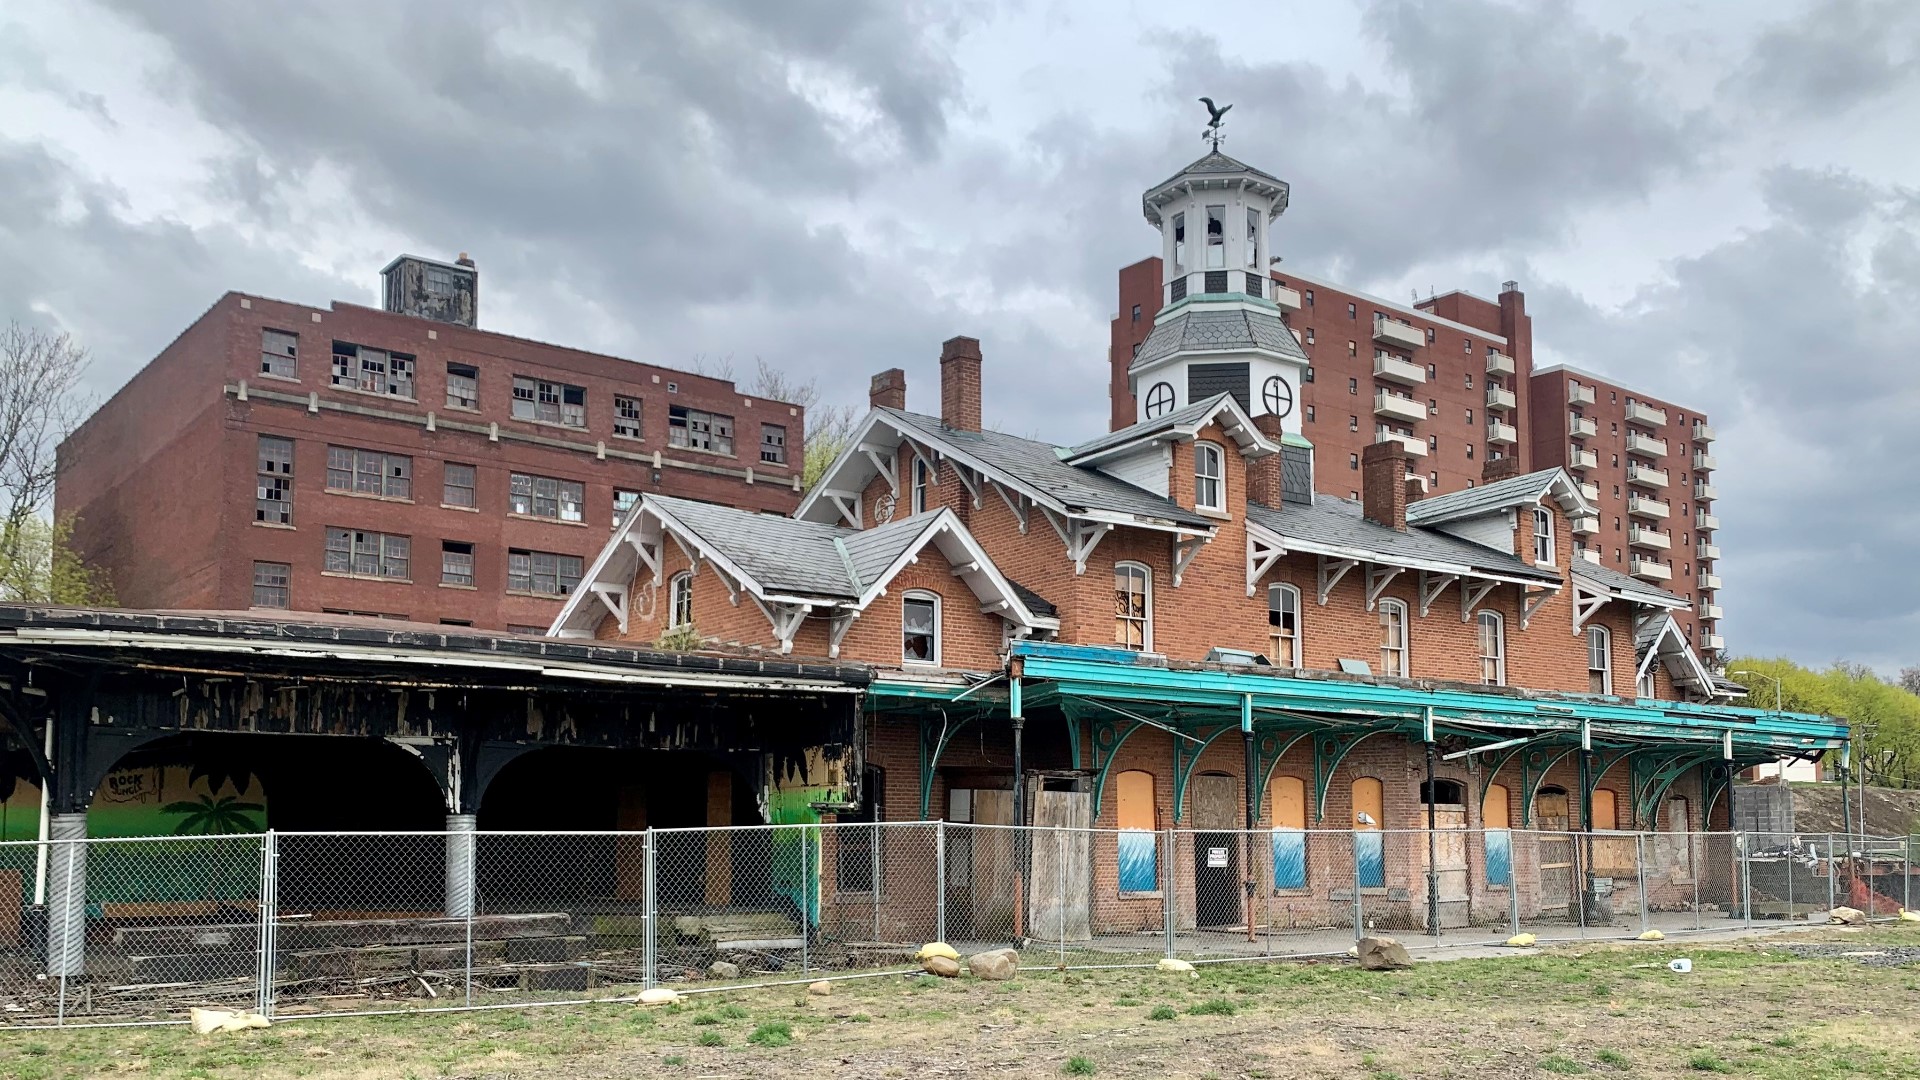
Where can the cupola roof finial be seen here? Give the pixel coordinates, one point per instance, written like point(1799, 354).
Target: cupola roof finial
point(1216, 115)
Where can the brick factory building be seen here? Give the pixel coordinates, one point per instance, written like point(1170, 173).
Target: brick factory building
point(400, 463)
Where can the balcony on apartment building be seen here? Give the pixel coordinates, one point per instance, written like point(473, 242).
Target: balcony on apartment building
point(1709, 611)
point(1579, 395)
point(1500, 434)
point(1706, 550)
point(1709, 580)
point(1646, 444)
point(1642, 537)
point(1702, 431)
point(1288, 299)
point(1398, 406)
point(1581, 427)
point(1585, 524)
point(1650, 569)
point(1706, 521)
point(1499, 397)
point(1578, 458)
point(1397, 369)
point(1640, 413)
point(1590, 490)
point(1592, 555)
point(1642, 506)
point(1394, 332)
point(1646, 476)
point(1384, 434)
point(1706, 461)
point(1712, 642)
point(1704, 490)
point(1499, 363)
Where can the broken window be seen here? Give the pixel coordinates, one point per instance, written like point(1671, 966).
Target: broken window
point(369, 472)
point(273, 493)
point(542, 572)
point(622, 502)
point(696, 430)
point(773, 444)
point(546, 497)
point(549, 402)
point(463, 386)
point(626, 417)
point(456, 563)
point(920, 628)
point(270, 584)
point(279, 354)
point(1133, 606)
point(1216, 237)
point(372, 371)
point(358, 553)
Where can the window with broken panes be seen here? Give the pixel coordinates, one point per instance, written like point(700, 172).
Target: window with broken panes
point(456, 562)
point(773, 444)
point(549, 402)
point(546, 497)
point(696, 430)
point(369, 472)
point(273, 493)
point(271, 584)
point(463, 386)
point(542, 572)
point(280, 354)
point(374, 371)
point(626, 417)
point(368, 554)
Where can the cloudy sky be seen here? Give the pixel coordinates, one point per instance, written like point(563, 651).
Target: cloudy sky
point(1715, 200)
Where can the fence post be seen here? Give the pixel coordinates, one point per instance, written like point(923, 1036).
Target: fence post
point(1168, 918)
point(940, 880)
point(1359, 912)
point(806, 899)
point(1060, 891)
point(1746, 878)
point(472, 860)
point(1513, 886)
point(1792, 864)
point(1833, 874)
point(268, 919)
point(874, 881)
point(1640, 874)
point(649, 910)
point(1906, 875)
point(1693, 871)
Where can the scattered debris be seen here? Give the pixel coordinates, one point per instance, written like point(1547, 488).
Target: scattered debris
point(1680, 966)
point(937, 948)
point(1522, 941)
point(1175, 967)
point(1652, 935)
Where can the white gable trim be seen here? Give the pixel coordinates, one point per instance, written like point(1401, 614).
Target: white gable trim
point(979, 573)
point(1237, 424)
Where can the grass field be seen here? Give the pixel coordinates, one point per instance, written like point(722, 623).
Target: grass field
point(1749, 1010)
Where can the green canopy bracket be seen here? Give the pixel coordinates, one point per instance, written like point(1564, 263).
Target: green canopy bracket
point(1329, 750)
point(1186, 754)
point(936, 733)
point(1535, 764)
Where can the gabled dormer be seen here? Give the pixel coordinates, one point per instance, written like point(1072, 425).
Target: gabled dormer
point(1196, 456)
point(1531, 515)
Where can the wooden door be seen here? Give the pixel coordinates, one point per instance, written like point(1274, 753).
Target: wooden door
point(1219, 808)
point(1449, 848)
point(1062, 849)
point(1550, 810)
point(980, 866)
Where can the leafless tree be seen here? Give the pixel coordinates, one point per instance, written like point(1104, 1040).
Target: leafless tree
point(41, 402)
point(1910, 679)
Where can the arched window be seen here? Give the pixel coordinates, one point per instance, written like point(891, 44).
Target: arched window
point(1393, 638)
point(1493, 649)
point(1606, 811)
point(1599, 660)
point(920, 481)
point(920, 628)
point(1287, 800)
point(1283, 624)
point(1209, 476)
point(680, 600)
point(1132, 606)
point(1134, 805)
point(1644, 685)
point(1542, 535)
point(1444, 792)
point(1494, 816)
point(1369, 843)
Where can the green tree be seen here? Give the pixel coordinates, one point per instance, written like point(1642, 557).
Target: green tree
point(38, 565)
point(1884, 716)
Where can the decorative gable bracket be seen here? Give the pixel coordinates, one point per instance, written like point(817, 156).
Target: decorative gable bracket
point(1431, 586)
point(615, 599)
point(1016, 502)
point(1586, 604)
point(785, 618)
point(1530, 601)
point(1471, 595)
point(1184, 552)
point(1378, 578)
point(837, 632)
point(1331, 571)
point(887, 464)
point(1261, 555)
point(649, 555)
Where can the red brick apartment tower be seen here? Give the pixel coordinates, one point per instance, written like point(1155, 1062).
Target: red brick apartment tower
point(1648, 465)
point(396, 462)
point(1446, 378)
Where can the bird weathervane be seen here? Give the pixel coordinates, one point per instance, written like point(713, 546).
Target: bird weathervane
point(1216, 114)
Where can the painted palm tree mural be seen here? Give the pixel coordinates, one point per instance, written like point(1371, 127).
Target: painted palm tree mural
point(206, 815)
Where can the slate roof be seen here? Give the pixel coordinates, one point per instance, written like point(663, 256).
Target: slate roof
point(1631, 588)
point(1038, 465)
point(1524, 489)
point(1197, 413)
point(785, 555)
point(1202, 331)
point(1214, 163)
point(1337, 522)
point(1035, 602)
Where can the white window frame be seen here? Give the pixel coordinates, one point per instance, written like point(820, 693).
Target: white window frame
point(680, 600)
point(1604, 637)
point(924, 597)
point(1278, 634)
point(1543, 536)
point(1394, 655)
point(1493, 660)
point(1202, 451)
point(920, 481)
point(1646, 685)
point(1145, 623)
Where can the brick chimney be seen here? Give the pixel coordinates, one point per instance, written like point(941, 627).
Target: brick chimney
point(1500, 469)
point(1416, 489)
point(960, 383)
point(1265, 482)
point(888, 390)
point(1383, 484)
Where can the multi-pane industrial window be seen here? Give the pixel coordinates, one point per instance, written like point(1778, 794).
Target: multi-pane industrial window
point(698, 430)
point(773, 444)
point(546, 497)
point(920, 628)
point(1283, 624)
point(626, 417)
point(375, 371)
point(542, 572)
point(456, 563)
point(1493, 649)
point(622, 502)
point(549, 402)
point(680, 601)
point(369, 472)
point(463, 386)
point(1599, 661)
point(1393, 638)
point(273, 494)
point(279, 354)
point(1132, 606)
point(270, 588)
point(1209, 477)
point(456, 485)
point(368, 554)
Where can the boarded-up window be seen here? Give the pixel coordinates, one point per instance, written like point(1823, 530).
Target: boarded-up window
point(1287, 795)
point(1138, 855)
point(1493, 818)
point(1369, 845)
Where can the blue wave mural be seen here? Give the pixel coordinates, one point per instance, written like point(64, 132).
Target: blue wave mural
point(1139, 861)
point(1370, 857)
point(1289, 859)
point(1499, 857)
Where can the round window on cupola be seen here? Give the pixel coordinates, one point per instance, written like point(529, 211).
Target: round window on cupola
point(1159, 400)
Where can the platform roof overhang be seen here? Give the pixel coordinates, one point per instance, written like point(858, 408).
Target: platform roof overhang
point(1204, 695)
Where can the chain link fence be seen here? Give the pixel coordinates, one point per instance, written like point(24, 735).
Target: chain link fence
point(128, 931)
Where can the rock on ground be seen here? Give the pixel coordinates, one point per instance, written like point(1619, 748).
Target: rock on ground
point(1847, 915)
point(820, 989)
point(720, 969)
point(943, 966)
point(1383, 954)
point(997, 965)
